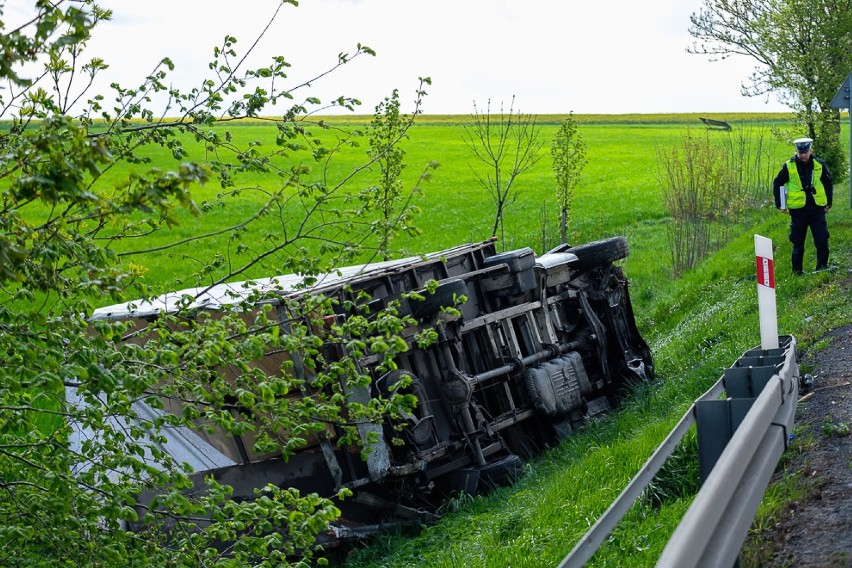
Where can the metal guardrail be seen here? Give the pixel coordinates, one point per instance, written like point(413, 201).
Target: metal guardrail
point(740, 440)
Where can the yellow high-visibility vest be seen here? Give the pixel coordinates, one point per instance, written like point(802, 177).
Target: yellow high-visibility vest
point(795, 191)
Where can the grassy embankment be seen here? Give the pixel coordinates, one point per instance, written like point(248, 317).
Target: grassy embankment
point(696, 326)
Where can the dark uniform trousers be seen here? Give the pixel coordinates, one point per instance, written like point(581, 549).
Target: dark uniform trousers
point(812, 216)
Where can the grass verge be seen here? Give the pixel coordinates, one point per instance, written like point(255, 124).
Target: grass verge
point(697, 326)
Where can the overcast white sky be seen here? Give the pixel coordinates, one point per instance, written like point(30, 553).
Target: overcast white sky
point(554, 56)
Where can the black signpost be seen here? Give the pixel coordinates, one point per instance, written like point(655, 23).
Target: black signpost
point(841, 101)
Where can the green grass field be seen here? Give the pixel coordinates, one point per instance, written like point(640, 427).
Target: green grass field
point(619, 192)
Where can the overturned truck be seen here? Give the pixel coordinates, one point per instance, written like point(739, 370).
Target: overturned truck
point(541, 345)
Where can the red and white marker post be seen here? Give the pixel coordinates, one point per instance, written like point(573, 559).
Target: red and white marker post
point(766, 292)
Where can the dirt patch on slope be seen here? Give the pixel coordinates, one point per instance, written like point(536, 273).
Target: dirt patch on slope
point(816, 531)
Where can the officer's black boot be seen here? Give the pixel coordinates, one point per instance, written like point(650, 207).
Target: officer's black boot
point(822, 257)
point(797, 258)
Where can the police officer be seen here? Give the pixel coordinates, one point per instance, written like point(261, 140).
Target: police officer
point(809, 192)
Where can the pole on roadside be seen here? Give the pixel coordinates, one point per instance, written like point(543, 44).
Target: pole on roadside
point(766, 292)
point(840, 101)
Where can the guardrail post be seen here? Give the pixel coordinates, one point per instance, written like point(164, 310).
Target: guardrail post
point(716, 421)
point(746, 382)
point(716, 524)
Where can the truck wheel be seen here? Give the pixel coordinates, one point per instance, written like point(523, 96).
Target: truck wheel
point(443, 297)
point(600, 252)
point(501, 472)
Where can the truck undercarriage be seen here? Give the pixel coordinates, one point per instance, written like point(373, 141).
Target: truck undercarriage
point(539, 345)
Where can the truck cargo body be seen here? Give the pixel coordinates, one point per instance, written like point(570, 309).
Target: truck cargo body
point(542, 344)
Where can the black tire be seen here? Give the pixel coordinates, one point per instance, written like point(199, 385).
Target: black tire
point(443, 297)
point(501, 472)
point(600, 252)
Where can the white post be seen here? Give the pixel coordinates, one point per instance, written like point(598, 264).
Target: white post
point(766, 292)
